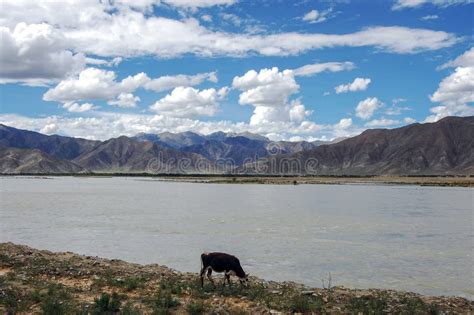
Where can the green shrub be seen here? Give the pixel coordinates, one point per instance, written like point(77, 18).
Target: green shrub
point(164, 302)
point(304, 304)
point(107, 304)
point(368, 305)
point(196, 307)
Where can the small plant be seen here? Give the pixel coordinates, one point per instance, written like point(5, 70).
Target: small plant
point(107, 304)
point(129, 309)
point(196, 307)
point(55, 301)
point(368, 305)
point(164, 302)
point(413, 305)
point(133, 283)
point(304, 304)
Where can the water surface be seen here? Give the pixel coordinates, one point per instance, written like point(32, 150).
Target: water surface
point(400, 237)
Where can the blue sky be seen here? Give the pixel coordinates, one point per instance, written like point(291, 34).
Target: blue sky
point(286, 69)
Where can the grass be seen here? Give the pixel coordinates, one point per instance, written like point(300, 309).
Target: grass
point(164, 302)
point(196, 307)
point(368, 305)
point(107, 304)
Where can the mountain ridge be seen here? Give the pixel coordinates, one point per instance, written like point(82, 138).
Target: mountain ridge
point(443, 147)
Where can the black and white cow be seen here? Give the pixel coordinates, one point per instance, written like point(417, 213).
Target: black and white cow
point(221, 262)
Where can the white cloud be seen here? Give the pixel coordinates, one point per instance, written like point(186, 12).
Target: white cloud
point(198, 3)
point(268, 91)
point(125, 100)
point(99, 84)
point(383, 122)
point(188, 102)
point(429, 17)
point(102, 62)
point(465, 60)
point(35, 54)
point(77, 108)
point(455, 92)
point(401, 4)
point(167, 82)
point(409, 120)
point(105, 125)
point(112, 29)
point(231, 18)
point(90, 84)
point(315, 16)
point(311, 69)
point(49, 129)
point(206, 18)
point(366, 108)
point(359, 84)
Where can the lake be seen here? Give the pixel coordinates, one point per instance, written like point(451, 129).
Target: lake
point(401, 237)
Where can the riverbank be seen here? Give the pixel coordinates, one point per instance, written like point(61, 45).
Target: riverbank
point(37, 281)
point(442, 181)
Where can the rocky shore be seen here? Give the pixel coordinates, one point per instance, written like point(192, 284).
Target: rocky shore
point(42, 282)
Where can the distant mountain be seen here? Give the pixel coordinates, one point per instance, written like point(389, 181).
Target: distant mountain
point(173, 140)
point(444, 147)
point(56, 146)
point(125, 154)
point(238, 147)
point(17, 161)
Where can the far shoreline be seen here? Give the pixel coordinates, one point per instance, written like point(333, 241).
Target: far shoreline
point(417, 180)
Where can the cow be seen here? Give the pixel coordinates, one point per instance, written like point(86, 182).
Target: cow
point(221, 262)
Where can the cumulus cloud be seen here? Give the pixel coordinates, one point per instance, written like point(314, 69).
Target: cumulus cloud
point(402, 4)
point(383, 122)
point(366, 108)
point(409, 120)
point(77, 108)
point(111, 29)
point(104, 125)
point(311, 69)
point(198, 3)
point(188, 102)
point(429, 17)
point(268, 91)
point(315, 16)
point(102, 62)
point(359, 84)
point(125, 100)
point(35, 54)
point(167, 82)
point(100, 84)
point(465, 60)
point(455, 92)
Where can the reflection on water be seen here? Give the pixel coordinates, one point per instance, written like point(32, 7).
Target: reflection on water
point(402, 237)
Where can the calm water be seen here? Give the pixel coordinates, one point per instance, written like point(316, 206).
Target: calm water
point(402, 237)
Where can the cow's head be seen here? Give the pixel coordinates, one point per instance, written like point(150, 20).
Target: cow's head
point(245, 280)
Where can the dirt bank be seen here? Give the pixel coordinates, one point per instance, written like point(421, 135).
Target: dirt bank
point(38, 281)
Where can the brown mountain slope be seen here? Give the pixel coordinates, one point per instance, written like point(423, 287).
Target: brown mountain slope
point(59, 147)
point(444, 147)
point(17, 161)
point(124, 154)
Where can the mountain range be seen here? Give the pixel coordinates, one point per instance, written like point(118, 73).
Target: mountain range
point(444, 147)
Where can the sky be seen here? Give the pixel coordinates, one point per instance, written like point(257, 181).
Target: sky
point(290, 70)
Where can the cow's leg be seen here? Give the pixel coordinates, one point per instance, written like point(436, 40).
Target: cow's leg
point(209, 276)
point(227, 277)
point(203, 271)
